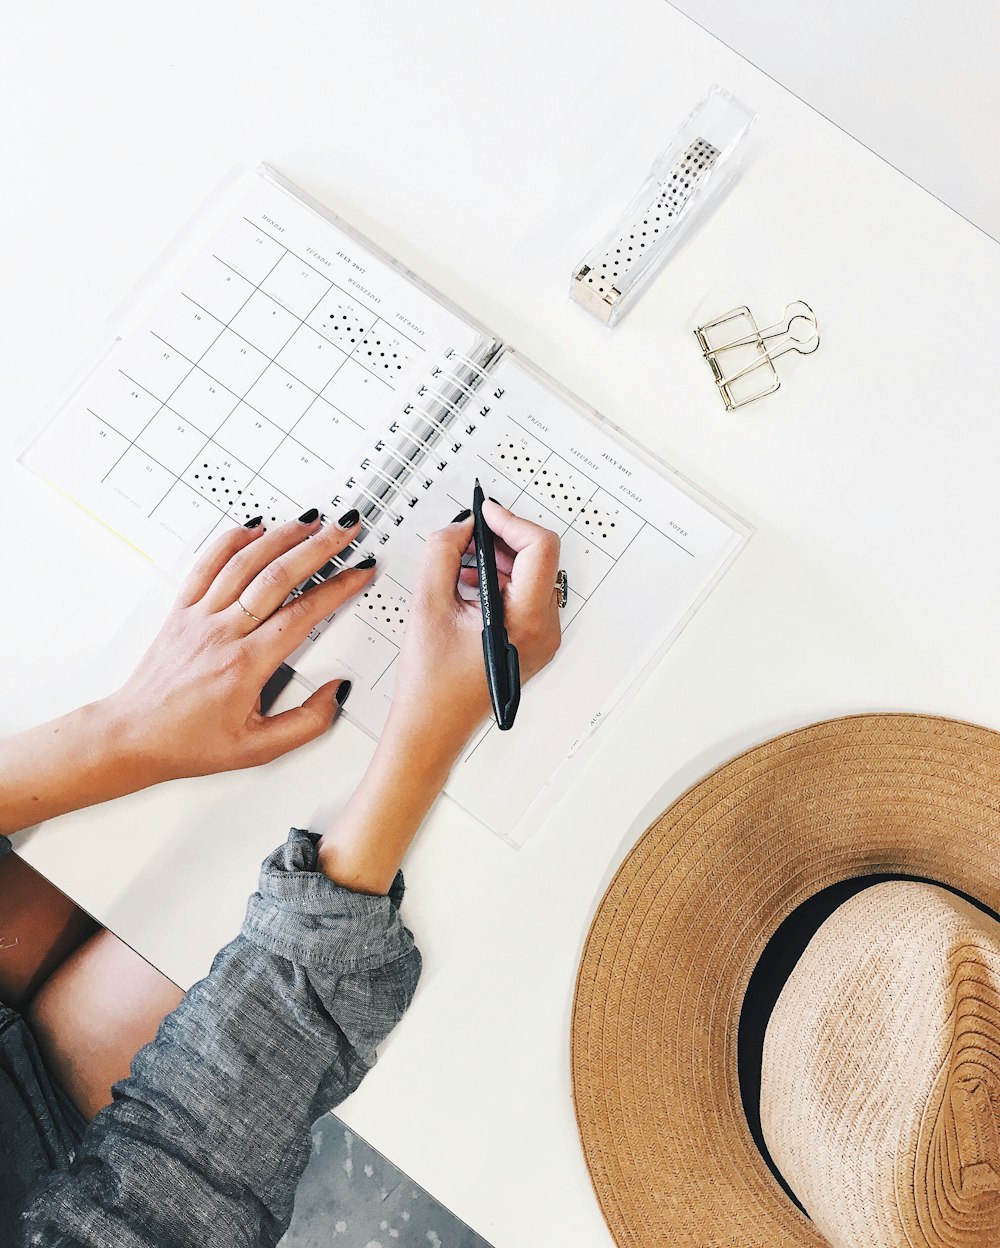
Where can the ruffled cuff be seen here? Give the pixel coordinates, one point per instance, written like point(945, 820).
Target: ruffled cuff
point(300, 914)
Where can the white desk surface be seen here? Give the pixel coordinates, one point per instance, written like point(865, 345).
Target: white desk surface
point(488, 150)
point(914, 80)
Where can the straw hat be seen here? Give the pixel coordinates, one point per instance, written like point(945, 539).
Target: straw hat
point(789, 1000)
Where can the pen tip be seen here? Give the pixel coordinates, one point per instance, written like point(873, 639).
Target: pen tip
point(478, 486)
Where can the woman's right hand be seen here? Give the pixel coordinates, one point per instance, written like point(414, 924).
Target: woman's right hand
point(441, 694)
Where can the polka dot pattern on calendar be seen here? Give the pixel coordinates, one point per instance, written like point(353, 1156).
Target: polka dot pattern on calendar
point(386, 608)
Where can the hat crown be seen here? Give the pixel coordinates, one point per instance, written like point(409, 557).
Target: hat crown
point(880, 1091)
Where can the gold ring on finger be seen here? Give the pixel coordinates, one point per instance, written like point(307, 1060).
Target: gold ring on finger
point(249, 614)
point(562, 587)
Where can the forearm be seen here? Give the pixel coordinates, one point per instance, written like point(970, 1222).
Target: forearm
point(364, 847)
point(80, 759)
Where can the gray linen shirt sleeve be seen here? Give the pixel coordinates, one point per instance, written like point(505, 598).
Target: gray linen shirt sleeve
point(206, 1140)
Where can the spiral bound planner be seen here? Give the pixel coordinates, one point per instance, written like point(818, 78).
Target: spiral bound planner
point(281, 361)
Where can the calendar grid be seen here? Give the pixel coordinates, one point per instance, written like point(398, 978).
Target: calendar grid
point(244, 399)
point(303, 322)
point(624, 506)
point(163, 403)
point(257, 475)
point(166, 468)
point(375, 628)
point(247, 387)
point(352, 295)
point(164, 406)
point(272, 360)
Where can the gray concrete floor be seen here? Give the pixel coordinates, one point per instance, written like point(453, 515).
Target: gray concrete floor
point(352, 1197)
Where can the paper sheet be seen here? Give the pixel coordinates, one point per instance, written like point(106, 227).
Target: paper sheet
point(280, 369)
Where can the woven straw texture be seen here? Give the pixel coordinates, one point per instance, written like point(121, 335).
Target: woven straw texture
point(680, 929)
point(880, 1074)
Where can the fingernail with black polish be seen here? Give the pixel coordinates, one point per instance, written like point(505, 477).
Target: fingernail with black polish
point(252, 524)
point(349, 519)
point(495, 500)
point(343, 692)
point(309, 516)
point(462, 515)
point(366, 563)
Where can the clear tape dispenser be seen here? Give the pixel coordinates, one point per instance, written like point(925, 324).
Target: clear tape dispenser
point(687, 179)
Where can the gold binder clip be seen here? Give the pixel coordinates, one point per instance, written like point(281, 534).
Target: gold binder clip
point(751, 374)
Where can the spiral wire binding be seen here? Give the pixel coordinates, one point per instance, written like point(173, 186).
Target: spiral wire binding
point(390, 480)
point(407, 464)
point(456, 381)
point(380, 503)
point(410, 410)
point(470, 364)
point(396, 427)
point(379, 485)
point(446, 402)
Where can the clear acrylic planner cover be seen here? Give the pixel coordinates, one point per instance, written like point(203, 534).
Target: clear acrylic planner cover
point(276, 360)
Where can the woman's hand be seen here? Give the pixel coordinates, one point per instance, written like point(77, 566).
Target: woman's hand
point(441, 695)
point(192, 705)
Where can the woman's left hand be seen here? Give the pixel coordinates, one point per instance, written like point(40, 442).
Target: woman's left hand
point(192, 706)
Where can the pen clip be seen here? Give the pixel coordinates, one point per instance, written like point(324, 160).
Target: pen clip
point(506, 719)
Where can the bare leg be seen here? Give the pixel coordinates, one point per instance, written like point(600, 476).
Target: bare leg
point(39, 927)
point(95, 1013)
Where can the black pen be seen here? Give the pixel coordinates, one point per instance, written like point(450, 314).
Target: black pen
point(276, 684)
point(503, 672)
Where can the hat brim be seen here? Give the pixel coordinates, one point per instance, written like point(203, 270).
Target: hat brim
point(673, 944)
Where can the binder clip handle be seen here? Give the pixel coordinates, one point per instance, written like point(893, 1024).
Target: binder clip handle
point(756, 350)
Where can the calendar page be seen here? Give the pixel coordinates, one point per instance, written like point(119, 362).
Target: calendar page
point(250, 385)
point(640, 549)
point(287, 364)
